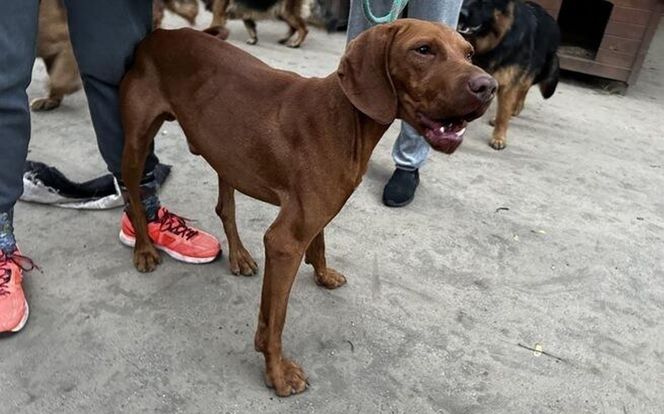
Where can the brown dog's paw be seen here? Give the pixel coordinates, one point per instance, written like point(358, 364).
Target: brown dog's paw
point(242, 263)
point(330, 279)
point(44, 104)
point(146, 259)
point(252, 41)
point(498, 143)
point(287, 378)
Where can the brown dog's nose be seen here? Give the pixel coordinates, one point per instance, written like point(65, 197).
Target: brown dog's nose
point(483, 87)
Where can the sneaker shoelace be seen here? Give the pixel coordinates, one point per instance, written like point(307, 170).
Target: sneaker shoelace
point(24, 263)
point(176, 225)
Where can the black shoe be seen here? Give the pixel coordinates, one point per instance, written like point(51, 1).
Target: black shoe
point(400, 190)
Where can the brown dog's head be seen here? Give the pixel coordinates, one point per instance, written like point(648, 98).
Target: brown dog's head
point(419, 72)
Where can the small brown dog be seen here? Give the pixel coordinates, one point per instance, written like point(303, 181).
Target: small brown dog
point(290, 11)
point(54, 46)
point(302, 144)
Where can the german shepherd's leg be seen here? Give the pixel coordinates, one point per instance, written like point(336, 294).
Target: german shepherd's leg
point(187, 9)
point(507, 96)
point(250, 25)
point(239, 258)
point(291, 32)
point(219, 13)
point(292, 14)
point(64, 79)
point(315, 256)
point(522, 93)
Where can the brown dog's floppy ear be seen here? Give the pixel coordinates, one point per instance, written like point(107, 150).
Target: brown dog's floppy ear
point(365, 77)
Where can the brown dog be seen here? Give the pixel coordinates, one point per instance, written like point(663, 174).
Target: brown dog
point(54, 46)
point(290, 11)
point(302, 144)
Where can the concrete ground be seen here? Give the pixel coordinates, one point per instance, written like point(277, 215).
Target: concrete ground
point(555, 244)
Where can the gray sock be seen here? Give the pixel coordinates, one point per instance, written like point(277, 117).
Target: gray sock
point(149, 198)
point(7, 240)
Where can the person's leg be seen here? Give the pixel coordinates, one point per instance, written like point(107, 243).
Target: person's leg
point(104, 35)
point(18, 36)
point(410, 150)
point(357, 22)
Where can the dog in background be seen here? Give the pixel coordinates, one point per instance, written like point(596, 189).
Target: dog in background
point(54, 46)
point(293, 12)
point(516, 42)
point(187, 9)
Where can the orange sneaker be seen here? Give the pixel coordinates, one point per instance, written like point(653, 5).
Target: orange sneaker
point(13, 306)
point(171, 234)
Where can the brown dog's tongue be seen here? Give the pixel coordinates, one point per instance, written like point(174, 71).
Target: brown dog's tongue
point(444, 142)
point(438, 138)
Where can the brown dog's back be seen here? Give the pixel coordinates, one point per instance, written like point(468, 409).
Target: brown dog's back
point(229, 104)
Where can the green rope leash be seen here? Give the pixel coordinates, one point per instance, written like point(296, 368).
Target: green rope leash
point(395, 11)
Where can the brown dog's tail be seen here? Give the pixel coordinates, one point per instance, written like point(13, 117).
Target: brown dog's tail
point(550, 76)
point(219, 32)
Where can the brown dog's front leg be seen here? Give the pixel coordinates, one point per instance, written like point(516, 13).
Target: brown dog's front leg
point(139, 132)
point(324, 276)
point(284, 248)
point(239, 258)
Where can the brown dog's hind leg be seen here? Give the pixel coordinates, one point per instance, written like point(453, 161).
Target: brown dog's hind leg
point(239, 259)
point(292, 15)
point(507, 96)
point(250, 25)
point(315, 256)
point(285, 243)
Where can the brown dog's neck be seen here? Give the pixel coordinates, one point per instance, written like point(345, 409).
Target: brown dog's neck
point(360, 133)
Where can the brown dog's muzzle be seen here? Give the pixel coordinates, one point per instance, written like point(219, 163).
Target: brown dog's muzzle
point(445, 135)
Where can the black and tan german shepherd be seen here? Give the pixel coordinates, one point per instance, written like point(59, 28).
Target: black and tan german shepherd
point(516, 42)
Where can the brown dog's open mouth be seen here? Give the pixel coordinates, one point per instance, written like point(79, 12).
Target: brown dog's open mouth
point(443, 135)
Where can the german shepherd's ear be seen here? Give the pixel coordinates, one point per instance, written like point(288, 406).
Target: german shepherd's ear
point(365, 77)
point(219, 32)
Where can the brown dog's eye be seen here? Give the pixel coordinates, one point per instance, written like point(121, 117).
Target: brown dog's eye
point(469, 55)
point(424, 50)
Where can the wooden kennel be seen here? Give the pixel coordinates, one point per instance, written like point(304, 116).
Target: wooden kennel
point(605, 38)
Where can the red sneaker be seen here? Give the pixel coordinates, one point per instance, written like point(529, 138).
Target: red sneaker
point(171, 234)
point(13, 306)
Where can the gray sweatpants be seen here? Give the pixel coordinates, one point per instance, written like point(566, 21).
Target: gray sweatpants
point(410, 149)
point(104, 35)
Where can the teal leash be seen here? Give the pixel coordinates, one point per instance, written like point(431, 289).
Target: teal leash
point(395, 11)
